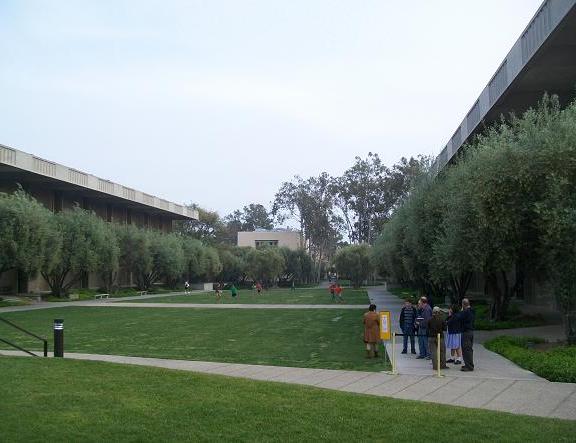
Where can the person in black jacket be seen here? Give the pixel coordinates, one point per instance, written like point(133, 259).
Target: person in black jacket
point(407, 320)
point(467, 318)
point(454, 336)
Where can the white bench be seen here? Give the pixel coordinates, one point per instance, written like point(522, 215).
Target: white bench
point(143, 293)
point(101, 296)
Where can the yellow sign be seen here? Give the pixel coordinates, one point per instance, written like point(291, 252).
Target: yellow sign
point(385, 326)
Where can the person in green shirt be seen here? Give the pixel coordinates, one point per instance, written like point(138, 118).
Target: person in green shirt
point(233, 291)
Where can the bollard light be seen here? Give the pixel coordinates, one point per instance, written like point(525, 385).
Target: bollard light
point(58, 338)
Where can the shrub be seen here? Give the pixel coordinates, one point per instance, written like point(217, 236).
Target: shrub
point(557, 364)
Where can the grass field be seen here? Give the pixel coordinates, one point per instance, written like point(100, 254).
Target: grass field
point(273, 296)
point(64, 400)
point(317, 338)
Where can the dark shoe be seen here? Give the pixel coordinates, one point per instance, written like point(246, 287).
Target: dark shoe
point(375, 354)
point(445, 367)
point(420, 357)
point(451, 360)
point(413, 351)
point(404, 352)
point(457, 362)
point(466, 369)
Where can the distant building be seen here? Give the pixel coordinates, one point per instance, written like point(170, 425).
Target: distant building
point(60, 188)
point(271, 237)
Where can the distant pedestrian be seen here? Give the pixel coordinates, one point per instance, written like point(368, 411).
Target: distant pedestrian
point(293, 287)
point(467, 318)
point(454, 336)
point(408, 316)
point(219, 288)
point(258, 287)
point(338, 290)
point(233, 291)
point(186, 287)
point(332, 289)
point(424, 316)
point(371, 331)
point(436, 328)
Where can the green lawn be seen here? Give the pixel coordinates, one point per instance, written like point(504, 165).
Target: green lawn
point(46, 400)
point(273, 296)
point(314, 338)
point(12, 302)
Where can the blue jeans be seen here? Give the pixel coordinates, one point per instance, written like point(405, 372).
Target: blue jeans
point(408, 332)
point(423, 343)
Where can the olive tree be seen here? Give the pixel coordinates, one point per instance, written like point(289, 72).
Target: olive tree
point(82, 245)
point(355, 263)
point(28, 238)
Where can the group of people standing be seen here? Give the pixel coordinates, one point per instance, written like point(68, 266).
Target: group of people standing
point(456, 332)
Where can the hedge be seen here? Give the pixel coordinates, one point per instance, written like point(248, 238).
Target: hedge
point(557, 364)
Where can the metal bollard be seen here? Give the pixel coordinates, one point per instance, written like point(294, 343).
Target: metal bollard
point(438, 355)
point(394, 353)
point(58, 338)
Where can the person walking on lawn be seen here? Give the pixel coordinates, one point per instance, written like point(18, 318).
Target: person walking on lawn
point(233, 291)
point(467, 318)
point(436, 326)
point(408, 316)
point(338, 290)
point(454, 338)
point(371, 331)
point(332, 289)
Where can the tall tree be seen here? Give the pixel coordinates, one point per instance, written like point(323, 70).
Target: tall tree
point(28, 237)
point(311, 203)
point(83, 247)
point(368, 192)
point(355, 263)
point(209, 228)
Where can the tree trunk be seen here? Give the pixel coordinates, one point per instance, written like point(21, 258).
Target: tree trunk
point(501, 292)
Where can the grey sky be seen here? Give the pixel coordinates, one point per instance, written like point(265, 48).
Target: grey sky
point(218, 102)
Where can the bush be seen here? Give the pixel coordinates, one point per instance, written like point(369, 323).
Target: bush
point(515, 318)
point(558, 364)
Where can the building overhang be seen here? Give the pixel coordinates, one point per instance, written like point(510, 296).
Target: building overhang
point(543, 60)
point(21, 167)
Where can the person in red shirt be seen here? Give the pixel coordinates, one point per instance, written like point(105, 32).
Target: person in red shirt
point(338, 291)
point(258, 287)
point(332, 289)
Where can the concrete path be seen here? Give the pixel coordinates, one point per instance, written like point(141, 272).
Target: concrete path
point(531, 397)
point(487, 364)
point(220, 306)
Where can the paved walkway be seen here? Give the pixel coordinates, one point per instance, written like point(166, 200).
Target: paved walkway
point(531, 397)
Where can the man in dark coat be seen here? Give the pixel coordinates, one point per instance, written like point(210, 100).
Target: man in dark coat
point(407, 320)
point(467, 318)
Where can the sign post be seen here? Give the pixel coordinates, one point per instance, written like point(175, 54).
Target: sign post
point(386, 334)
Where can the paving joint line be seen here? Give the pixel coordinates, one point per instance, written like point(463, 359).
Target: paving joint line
point(394, 377)
point(409, 386)
point(498, 394)
point(355, 381)
point(564, 400)
point(440, 387)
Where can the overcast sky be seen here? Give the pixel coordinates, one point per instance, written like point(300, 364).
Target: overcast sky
point(218, 102)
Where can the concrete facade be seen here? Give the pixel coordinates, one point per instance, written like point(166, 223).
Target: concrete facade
point(273, 237)
point(542, 60)
point(60, 188)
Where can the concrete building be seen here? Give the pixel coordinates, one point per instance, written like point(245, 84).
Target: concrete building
point(61, 188)
point(543, 59)
point(273, 237)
